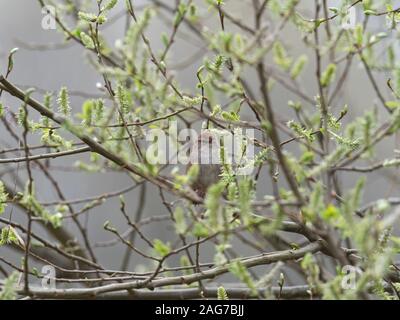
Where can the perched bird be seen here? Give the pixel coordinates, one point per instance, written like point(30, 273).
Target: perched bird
point(205, 153)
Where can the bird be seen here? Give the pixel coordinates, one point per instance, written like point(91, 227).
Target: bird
point(204, 152)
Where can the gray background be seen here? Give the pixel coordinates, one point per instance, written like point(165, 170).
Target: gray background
point(20, 26)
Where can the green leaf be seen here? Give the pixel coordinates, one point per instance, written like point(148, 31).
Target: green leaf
point(99, 110)
point(87, 41)
point(329, 75)
point(392, 104)
point(307, 157)
point(10, 66)
point(359, 34)
point(301, 131)
point(87, 112)
point(30, 202)
point(245, 197)
point(161, 248)
point(101, 19)
point(124, 99)
point(230, 116)
point(8, 236)
point(370, 12)
point(334, 10)
point(63, 102)
point(330, 213)
point(164, 39)
point(221, 294)
point(193, 172)
point(9, 290)
point(110, 5)
point(56, 220)
point(281, 58)
point(307, 261)
point(298, 66)
point(88, 17)
point(240, 271)
point(212, 203)
point(200, 230)
point(180, 223)
point(315, 203)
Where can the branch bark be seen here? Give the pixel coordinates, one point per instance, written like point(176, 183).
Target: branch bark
point(263, 259)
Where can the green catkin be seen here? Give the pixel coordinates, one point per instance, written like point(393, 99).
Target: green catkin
point(63, 102)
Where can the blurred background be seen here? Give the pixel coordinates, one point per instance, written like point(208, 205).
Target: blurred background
point(46, 62)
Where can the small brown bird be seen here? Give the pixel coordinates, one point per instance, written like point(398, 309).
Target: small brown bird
point(205, 152)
